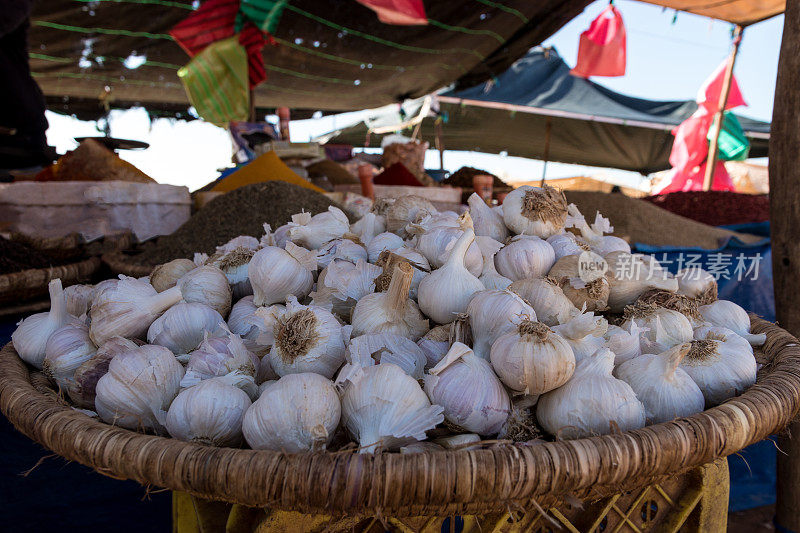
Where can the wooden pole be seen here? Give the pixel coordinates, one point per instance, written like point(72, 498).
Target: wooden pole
point(548, 126)
point(784, 198)
point(437, 126)
point(711, 161)
point(252, 117)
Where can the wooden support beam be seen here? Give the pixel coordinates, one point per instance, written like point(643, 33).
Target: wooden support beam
point(548, 127)
point(784, 197)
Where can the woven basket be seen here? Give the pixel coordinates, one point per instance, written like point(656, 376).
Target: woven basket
point(427, 484)
point(120, 263)
point(29, 284)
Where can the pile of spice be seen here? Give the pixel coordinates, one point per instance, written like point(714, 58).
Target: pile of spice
point(240, 212)
point(715, 208)
point(397, 174)
point(16, 256)
point(642, 222)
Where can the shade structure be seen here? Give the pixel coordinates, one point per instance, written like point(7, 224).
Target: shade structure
point(327, 55)
point(741, 12)
point(589, 124)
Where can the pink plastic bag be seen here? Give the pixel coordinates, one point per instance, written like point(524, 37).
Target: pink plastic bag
point(400, 12)
point(691, 179)
point(601, 51)
point(709, 93)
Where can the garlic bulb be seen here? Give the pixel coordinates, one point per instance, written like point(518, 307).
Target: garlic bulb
point(631, 275)
point(471, 395)
point(30, 337)
point(281, 236)
point(721, 363)
point(235, 264)
point(343, 249)
point(592, 402)
point(444, 219)
point(391, 311)
point(582, 292)
point(343, 283)
point(421, 447)
point(437, 243)
point(210, 412)
point(243, 321)
point(446, 292)
point(486, 222)
point(533, 359)
point(368, 350)
point(139, 387)
point(166, 275)
point(183, 327)
point(101, 287)
point(388, 260)
point(463, 441)
point(535, 211)
point(492, 314)
point(313, 232)
point(695, 282)
point(67, 348)
point(565, 244)
point(663, 328)
point(128, 309)
point(297, 413)
point(594, 235)
point(265, 319)
point(623, 342)
point(525, 257)
point(404, 210)
point(307, 339)
point(368, 226)
point(490, 278)
point(384, 408)
point(435, 344)
point(381, 242)
point(82, 388)
point(546, 298)
point(584, 333)
point(666, 390)
point(729, 315)
point(276, 273)
point(217, 356)
point(79, 299)
point(207, 285)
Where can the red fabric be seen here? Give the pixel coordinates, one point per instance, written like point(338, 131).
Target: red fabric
point(602, 48)
point(397, 174)
point(400, 12)
point(215, 20)
point(692, 179)
point(709, 93)
point(715, 208)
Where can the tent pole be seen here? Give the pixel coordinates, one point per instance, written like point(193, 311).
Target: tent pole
point(784, 199)
point(437, 126)
point(713, 145)
point(548, 125)
point(252, 106)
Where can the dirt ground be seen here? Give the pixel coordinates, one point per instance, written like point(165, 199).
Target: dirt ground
point(756, 520)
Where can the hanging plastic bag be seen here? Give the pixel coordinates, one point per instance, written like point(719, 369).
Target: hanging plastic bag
point(690, 147)
point(709, 93)
point(216, 82)
point(264, 13)
point(602, 48)
point(733, 144)
point(399, 12)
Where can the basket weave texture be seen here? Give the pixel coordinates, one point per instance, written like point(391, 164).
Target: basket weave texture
point(493, 479)
point(120, 263)
point(29, 284)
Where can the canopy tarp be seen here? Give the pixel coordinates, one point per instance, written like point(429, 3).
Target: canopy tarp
point(328, 55)
point(590, 124)
point(742, 12)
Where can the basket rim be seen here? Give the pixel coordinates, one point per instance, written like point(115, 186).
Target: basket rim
point(449, 482)
point(116, 262)
point(37, 277)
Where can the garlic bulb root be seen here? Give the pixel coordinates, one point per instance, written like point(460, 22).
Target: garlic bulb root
point(539, 211)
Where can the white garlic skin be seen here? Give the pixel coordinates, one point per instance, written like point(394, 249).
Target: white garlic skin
point(368, 350)
point(593, 295)
point(344, 249)
point(407, 209)
point(486, 222)
point(207, 285)
point(82, 389)
point(385, 408)
point(665, 329)
point(342, 284)
point(139, 388)
point(218, 356)
point(381, 242)
point(166, 275)
point(566, 244)
point(67, 349)
point(437, 243)
point(631, 275)
point(313, 232)
point(276, 273)
point(520, 219)
point(584, 333)
point(297, 413)
point(609, 243)
point(490, 278)
point(532, 359)
point(592, 402)
point(30, 337)
point(243, 321)
point(368, 227)
point(492, 314)
point(183, 327)
point(435, 344)
point(79, 299)
point(694, 281)
point(525, 257)
point(209, 413)
point(623, 342)
point(729, 315)
point(466, 387)
point(546, 298)
point(666, 390)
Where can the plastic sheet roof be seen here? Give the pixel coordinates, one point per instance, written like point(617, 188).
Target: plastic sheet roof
point(742, 12)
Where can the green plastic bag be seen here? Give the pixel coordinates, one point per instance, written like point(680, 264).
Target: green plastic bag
point(216, 82)
point(733, 145)
point(264, 13)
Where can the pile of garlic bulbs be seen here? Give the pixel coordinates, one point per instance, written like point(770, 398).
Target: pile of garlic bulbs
point(324, 334)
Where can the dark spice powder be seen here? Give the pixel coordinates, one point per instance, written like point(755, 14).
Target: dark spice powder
point(240, 212)
point(15, 257)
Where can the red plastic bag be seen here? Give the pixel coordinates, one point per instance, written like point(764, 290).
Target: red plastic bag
point(709, 93)
point(601, 51)
point(400, 12)
point(691, 179)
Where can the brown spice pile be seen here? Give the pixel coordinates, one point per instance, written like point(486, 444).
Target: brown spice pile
point(240, 212)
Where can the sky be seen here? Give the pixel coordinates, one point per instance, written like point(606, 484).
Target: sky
point(668, 58)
